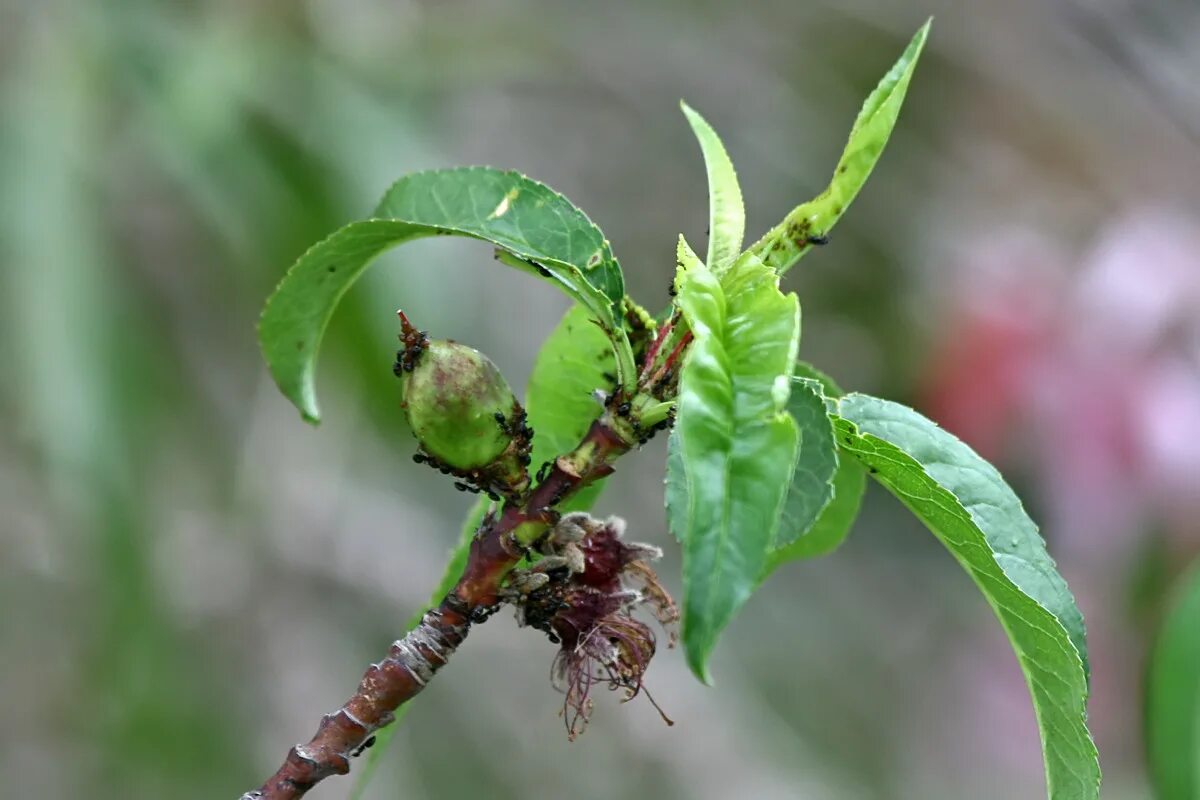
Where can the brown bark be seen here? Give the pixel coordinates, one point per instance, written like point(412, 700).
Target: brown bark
point(413, 660)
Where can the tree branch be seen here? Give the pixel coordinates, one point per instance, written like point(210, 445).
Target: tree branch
point(412, 661)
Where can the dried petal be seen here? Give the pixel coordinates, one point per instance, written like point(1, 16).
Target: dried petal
point(588, 610)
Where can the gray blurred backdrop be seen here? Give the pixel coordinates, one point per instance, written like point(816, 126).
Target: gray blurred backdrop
point(190, 576)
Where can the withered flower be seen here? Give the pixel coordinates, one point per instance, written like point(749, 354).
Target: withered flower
point(582, 594)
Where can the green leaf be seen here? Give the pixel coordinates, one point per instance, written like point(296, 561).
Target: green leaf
point(965, 503)
point(676, 491)
point(677, 488)
point(454, 570)
point(832, 524)
point(829, 387)
point(574, 361)
point(523, 217)
point(736, 442)
point(816, 464)
point(685, 259)
point(783, 245)
point(726, 214)
point(822, 536)
point(538, 229)
point(1173, 699)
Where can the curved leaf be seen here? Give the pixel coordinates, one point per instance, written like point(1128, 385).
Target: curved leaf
point(541, 230)
point(677, 489)
point(829, 387)
point(810, 223)
point(516, 213)
point(726, 214)
point(1173, 699)
point(833, 524)
point(737, 442)
point(823, 534)
point(965, 503)
point(812, 481)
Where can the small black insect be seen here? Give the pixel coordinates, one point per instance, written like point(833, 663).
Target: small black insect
point(559, 494)
point(365, 745)
point(664, 381)
point(818, 240)
point(482, 613)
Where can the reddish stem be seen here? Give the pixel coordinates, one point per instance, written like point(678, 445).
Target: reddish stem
point(672, 358)
point(655, 346)
point(412, 661)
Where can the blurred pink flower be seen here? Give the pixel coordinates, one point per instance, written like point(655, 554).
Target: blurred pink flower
point(1091, 368)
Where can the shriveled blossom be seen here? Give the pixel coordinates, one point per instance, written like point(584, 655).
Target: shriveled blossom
point(593, 581)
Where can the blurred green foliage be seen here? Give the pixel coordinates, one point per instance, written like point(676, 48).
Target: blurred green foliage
point(1173, 697)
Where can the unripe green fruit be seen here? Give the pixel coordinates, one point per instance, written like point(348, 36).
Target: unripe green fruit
point(458, 405)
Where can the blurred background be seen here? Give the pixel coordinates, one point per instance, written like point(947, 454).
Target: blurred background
point(190, 576)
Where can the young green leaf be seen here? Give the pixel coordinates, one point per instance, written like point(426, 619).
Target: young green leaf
point(1173, 699)
point(810, 223)
point(829, 528)
point(965, 503)
point(819, 533)
point(574, 361)
point(833, 525)
point(817, 463)
point(829, 387)
point(726, 214)
point(825, 533)
point(522, 216)
point(676, 490)
point(736, 442)
point(539, 229)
